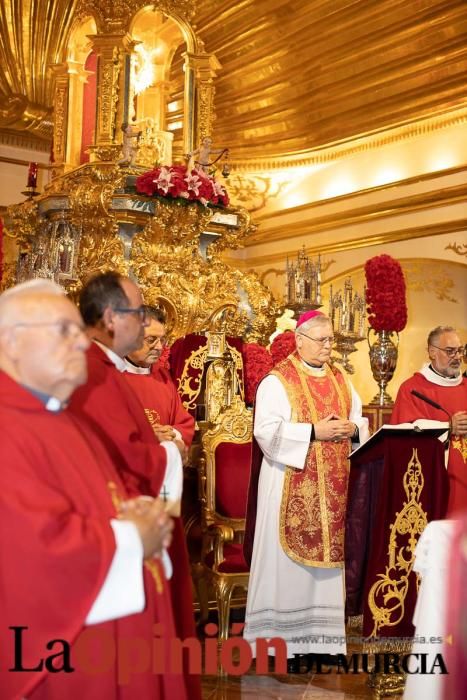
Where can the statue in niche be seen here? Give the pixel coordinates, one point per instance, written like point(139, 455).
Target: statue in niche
point(200, 159)
point(153, 146)
point(219, 390)
point(131, 137)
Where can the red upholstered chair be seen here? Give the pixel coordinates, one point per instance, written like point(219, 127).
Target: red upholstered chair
point(224, 475)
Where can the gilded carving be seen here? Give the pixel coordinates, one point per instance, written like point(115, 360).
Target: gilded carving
point(254, 191)
point(59, 122)
point(189, 384)
point(206, 117)
point(457, 248)
point(429, 278)
point(109, 94)
point(106, 154)
point(386, 598)
point(114, 15)
point(220, 387)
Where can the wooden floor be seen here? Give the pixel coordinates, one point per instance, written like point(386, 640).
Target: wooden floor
point(303, 687)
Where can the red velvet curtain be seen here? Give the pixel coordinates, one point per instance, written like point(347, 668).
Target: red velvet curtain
point(376, 496)
point(232, 476)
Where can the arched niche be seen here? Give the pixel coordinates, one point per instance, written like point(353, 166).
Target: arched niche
point(156, 101)
point(82, 69)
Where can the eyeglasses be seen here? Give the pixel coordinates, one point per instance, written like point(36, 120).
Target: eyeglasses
point(450, 352)
point(152, 341)
point(140, 311)
point(321, 341)
point(66, 329)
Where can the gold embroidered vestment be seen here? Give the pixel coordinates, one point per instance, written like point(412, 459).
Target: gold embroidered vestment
point(312, 518)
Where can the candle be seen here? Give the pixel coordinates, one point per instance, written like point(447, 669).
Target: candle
point(32, 176)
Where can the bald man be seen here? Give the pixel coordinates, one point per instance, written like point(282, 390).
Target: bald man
point(74, 568)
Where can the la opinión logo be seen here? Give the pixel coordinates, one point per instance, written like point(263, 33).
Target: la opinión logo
point(97, 651)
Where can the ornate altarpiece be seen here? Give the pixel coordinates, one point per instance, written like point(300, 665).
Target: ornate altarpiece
point(90, 218)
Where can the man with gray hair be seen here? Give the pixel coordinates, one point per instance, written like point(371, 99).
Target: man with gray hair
point(306, 415)
point(76, 570)
point(440, 380)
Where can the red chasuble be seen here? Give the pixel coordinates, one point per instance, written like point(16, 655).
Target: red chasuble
point(312, 518)
point(162, 404)
point(116, 414)
point(408, 408)
point(58, 490)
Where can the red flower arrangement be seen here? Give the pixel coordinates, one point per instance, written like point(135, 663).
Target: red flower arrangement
point(282, 346)
point(385, 294)
point(164, 359)
point(257, 362)
point(176, 182)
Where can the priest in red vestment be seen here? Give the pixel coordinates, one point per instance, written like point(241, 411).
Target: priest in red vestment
point(164, 410)
point(112, 309)
point(154, 385)
point(74, 588)
point(440, 380)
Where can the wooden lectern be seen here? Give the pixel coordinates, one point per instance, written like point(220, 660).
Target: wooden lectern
point(397, 484)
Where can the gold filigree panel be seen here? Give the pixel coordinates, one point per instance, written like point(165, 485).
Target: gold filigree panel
point(254, 191)
point(387, 595)
point(458, 248)
point(429, 277)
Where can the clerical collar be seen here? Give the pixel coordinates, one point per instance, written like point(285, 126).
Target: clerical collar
point(436, 378)
point(314, 371)
point(135, 369)
point(50, 402)
point(115, 359)
point(312, 366)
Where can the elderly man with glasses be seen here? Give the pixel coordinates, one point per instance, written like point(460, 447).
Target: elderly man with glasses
point(156, 390)
point(154, 385)
point(306, 416)
point(78, 566)
point(440, 380)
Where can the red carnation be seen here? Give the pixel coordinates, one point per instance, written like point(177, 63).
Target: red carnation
point(282, 346)
point(257, 362)
point(164, 359)
point(385, 294)
point(175, 182)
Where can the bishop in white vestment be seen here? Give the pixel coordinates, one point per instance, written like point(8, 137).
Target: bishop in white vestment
point(296, 589)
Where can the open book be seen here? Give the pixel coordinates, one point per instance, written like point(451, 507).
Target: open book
point(419, 425)
point(436, 428)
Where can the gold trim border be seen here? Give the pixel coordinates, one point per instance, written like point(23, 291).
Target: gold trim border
point(397, 184)
point(359, 143)
point(369, 213)
point(395, 236)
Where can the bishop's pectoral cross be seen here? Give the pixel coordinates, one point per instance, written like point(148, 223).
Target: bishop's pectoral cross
point(164, 493)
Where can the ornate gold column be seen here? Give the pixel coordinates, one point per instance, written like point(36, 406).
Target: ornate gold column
point(62, 84)
point(200, 71)
point(113, 52)
point(78, 77)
